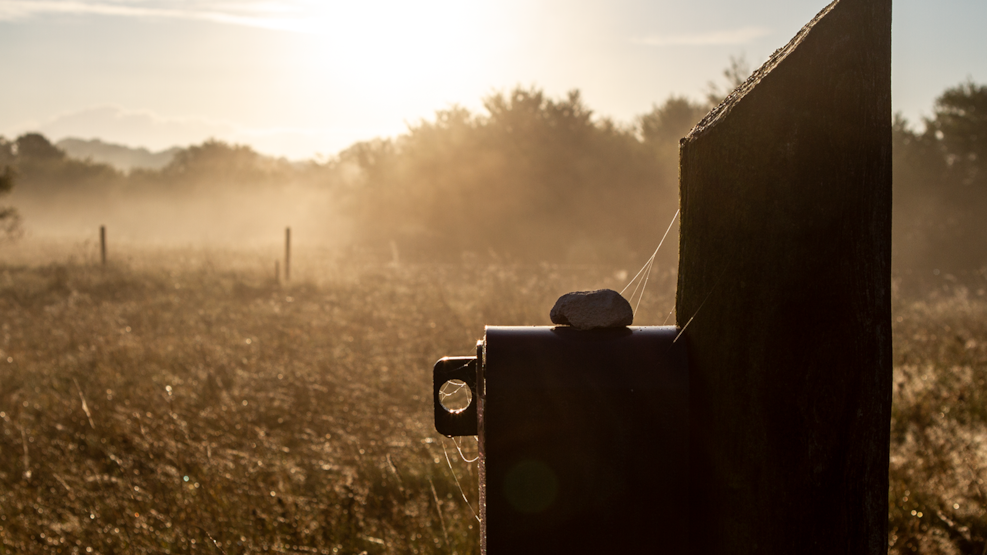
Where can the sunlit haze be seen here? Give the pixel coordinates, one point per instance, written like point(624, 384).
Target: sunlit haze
point(237, 235)
point(301, 78)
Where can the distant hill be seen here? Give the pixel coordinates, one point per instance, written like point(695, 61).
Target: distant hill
point(121, 157)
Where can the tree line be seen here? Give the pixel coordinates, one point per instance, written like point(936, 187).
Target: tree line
point(940, 184)
point(536, 178)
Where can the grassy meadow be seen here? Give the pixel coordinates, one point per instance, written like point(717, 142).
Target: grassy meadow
point(181, 400)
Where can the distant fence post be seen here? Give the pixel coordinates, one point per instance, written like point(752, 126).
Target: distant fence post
point(784, 294)
point(287, 254)
point(102, 244)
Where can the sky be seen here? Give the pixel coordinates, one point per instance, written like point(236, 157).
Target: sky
point(307, 78)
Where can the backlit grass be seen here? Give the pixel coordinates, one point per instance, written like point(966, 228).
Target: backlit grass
point(185, 402)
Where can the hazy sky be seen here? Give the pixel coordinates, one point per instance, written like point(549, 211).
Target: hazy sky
point(305, 77)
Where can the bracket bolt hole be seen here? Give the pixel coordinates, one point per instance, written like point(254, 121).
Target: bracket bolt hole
point(455, 396)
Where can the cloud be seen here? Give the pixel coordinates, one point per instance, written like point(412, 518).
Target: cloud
point(710, 38)
point(268, 15)
point(140, 128)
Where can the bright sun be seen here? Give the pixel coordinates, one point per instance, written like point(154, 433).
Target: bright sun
point(388, 43)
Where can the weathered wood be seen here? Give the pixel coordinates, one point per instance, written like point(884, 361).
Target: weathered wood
point(784, 294)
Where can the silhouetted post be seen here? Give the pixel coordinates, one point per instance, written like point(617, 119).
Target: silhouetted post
point(784, 291)
point(277, 273)
point(102, 244)
point(287, 254)
point(583, 438)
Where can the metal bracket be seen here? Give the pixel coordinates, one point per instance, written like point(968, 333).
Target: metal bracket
point(458, 423)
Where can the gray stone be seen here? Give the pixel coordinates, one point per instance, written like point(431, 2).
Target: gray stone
point(587, 310)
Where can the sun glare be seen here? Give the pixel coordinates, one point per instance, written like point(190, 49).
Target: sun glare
point(390, 45)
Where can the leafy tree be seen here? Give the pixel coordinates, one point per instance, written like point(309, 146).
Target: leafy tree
point(216, 159)
point(6, 180)
point(43, 168)
point(35, 147)
point(219, 167)
point(960, 125)
point(6, 152)
point(940, 185)
point(664, 125)
point(9, 218)
point(532, 177)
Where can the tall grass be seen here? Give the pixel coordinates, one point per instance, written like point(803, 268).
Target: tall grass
point(172, 406)
point(938, 498)
point(182, 401)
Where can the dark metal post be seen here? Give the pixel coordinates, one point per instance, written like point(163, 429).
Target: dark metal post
point(583, 436)
point(287, 254)
point(784, 292)
point(102, 244)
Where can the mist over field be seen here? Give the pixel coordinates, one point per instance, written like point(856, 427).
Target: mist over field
point(186, 394)
point(529, 178)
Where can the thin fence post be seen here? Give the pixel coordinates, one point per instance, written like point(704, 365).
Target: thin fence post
point(277, 272)
point(102, 244)
point(287, 254)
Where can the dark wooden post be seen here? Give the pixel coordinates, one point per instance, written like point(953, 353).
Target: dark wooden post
point(287, 254)
point(102, 244)
point(784, 294)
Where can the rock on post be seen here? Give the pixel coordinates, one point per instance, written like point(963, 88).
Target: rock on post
point(587, 310)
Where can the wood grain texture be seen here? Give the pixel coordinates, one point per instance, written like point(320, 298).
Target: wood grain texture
point(785, 289)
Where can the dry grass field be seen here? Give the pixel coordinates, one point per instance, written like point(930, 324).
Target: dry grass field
point(938, 493)
point(182, 401)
